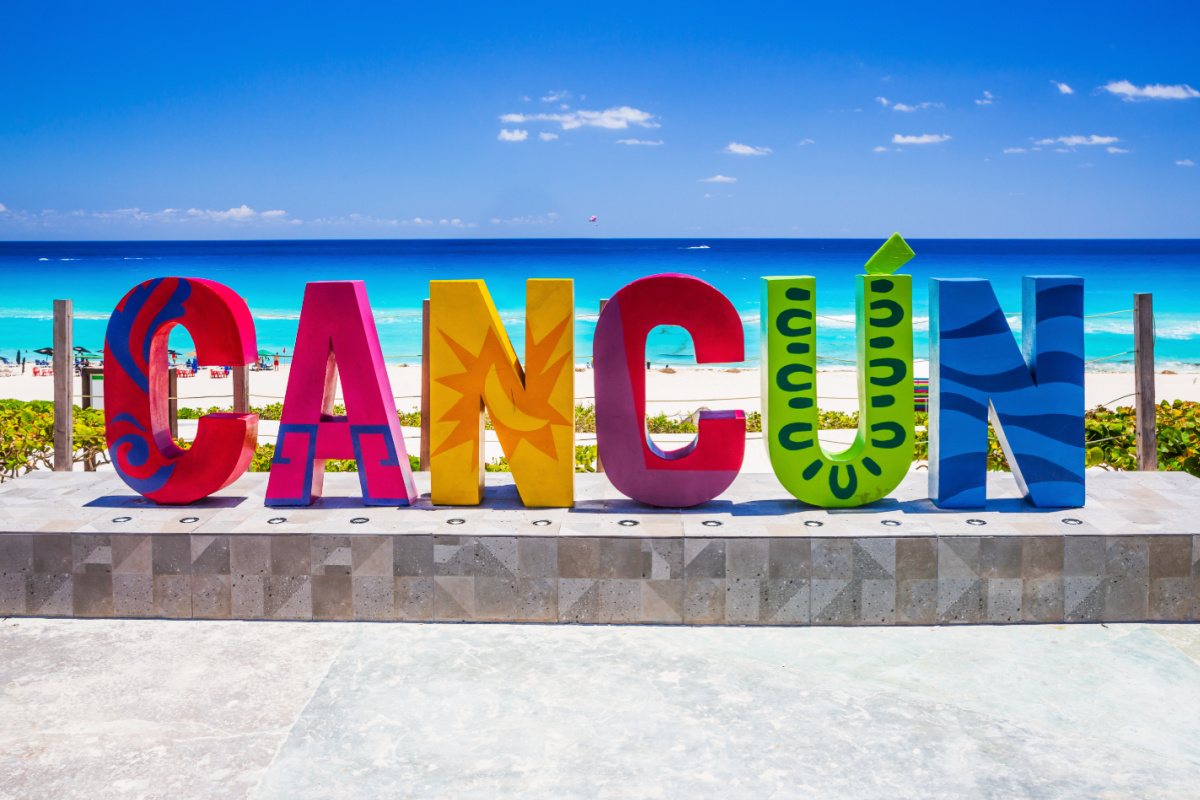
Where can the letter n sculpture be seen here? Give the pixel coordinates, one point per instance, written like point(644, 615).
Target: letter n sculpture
point(1034, 399)
point(473, 366)
point(135, 403)
point(335, 327)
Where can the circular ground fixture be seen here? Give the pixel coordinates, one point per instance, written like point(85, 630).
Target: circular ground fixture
point(712, 523)
point(1072, 521)
point(455, 521)
point(122, 519)
point(276, 520)
point(976, 522)
point(189, 520)
point(628, 523)
point(813, 523)
point(359, 520)
point(891, 523)
point(541, 522)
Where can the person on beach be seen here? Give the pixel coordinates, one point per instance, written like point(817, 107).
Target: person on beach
point(277, 363)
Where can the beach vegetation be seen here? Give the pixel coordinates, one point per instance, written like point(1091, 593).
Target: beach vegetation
point(27, 437)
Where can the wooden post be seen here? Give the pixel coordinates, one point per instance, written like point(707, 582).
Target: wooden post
point(173, 402)
point(425, 386)
point(1143, 378)
point(64, 387)
point(599, 466)
point(88, 399)
point(241, 389)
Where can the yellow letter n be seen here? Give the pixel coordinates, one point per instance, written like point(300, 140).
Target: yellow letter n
point(473, 366)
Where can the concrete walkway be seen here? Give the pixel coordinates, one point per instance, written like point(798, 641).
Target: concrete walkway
point(186, 709)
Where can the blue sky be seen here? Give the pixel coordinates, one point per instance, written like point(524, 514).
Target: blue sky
point(172, 121)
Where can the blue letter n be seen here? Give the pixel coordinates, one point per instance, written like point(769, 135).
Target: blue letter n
point(1035, 399)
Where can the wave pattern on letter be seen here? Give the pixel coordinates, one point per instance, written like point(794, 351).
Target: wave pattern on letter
point(1033, 394)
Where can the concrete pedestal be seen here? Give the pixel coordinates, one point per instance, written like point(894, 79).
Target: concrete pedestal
point(80, 544)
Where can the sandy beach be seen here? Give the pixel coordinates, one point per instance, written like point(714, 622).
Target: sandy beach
point(678, 392)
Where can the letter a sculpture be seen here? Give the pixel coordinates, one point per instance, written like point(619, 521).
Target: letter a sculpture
point(336, 326)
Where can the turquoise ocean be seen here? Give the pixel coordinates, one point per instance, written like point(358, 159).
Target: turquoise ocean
point(271, 276)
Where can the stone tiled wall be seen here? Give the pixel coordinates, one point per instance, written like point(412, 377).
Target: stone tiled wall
point(662, 580)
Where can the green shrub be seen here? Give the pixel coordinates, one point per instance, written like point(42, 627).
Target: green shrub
point(27, 437)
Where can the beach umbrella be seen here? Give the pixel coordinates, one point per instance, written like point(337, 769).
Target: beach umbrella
point(45, 351)
point(265, 353)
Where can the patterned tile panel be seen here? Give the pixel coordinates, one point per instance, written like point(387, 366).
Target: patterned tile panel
point(1134, 555)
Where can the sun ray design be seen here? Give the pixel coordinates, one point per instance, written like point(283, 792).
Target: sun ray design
point(520, 408)
point(473, 367)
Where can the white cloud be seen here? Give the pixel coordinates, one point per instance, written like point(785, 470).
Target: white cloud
point(1117, 150)
point(987, 99)
point(617, 118)
point(546, 219)
point(547, 137)
point(1187, 162)
point(925, 138)
point(554, 97)
point(881, 149)
point(1151, 91)
point(745, 150)
point(646, 142)
point(1075, 141)
point(804, 142)
point(2, 208)
point(917, 107)
point(1063, 88)
point(883, 101)
point(1014, 150)
point(241, 214)
point(515, 135)
point(718, 179)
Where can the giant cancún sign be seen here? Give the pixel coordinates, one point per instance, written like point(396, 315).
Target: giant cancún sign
point(1033, 394)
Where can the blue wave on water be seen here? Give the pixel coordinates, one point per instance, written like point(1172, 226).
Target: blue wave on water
point(271, 276)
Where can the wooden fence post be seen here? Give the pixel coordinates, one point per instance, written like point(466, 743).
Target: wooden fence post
point(599, 466)
point(241, 389)
point(173, 402)
point(64, 387)
point(88, 398)
point(1143, 378)
point(425, 386)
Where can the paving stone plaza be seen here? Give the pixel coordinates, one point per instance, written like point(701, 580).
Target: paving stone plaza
point(227, 709)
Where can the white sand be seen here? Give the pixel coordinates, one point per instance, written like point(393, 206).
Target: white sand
point(681, 392)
